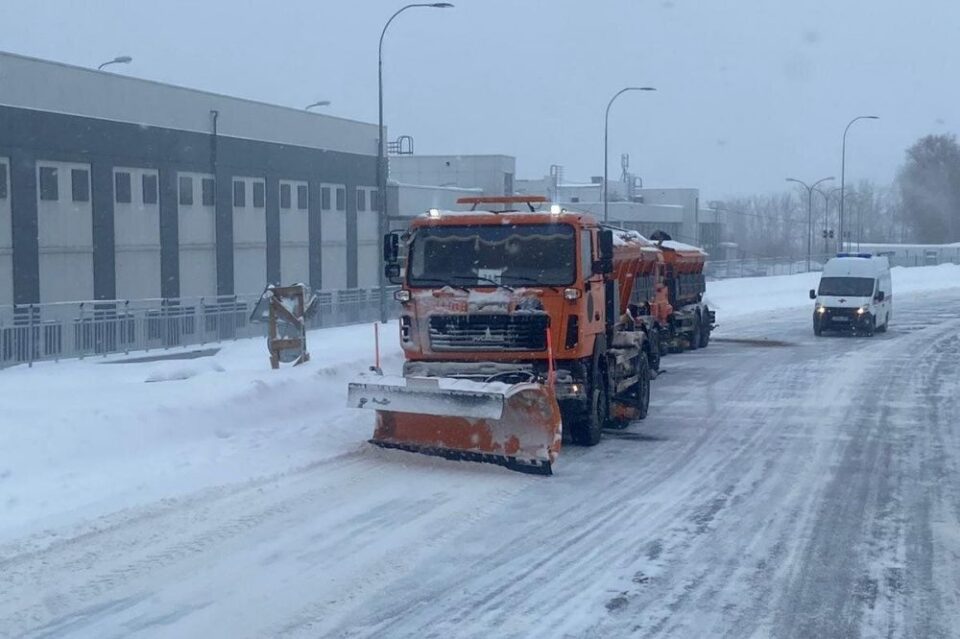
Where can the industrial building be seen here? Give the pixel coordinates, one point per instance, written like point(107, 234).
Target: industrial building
point(117, 188)
point(114, 187)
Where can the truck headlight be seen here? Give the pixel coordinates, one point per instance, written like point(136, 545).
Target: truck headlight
point(861, 310)
point(571, 293)
point(403, 295)
point(821, 309)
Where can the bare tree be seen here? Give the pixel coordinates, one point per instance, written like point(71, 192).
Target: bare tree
point(930, 188)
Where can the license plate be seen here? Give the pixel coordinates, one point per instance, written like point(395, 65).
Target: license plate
point(841, 319)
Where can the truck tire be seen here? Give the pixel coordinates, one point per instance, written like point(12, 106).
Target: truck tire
point(588, 430)
point(694, 340)
point(816, 328)
point(653, 353)
point(643, 389)
point(886, 323)
point(705, 330)
point(871, 327)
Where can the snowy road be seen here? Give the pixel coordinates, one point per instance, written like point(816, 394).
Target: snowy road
point(783, 486)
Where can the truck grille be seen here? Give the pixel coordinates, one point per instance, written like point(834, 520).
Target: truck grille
point(487, 332)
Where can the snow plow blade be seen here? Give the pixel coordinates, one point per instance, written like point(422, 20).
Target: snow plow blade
point(513, 425)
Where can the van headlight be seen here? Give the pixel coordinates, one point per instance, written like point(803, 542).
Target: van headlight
point(862, 310)
point(821, 309)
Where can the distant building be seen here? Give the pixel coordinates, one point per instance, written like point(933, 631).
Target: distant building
point(677, 211)
point(117, 187)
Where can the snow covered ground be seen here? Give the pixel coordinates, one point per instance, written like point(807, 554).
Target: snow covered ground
point(807, 487)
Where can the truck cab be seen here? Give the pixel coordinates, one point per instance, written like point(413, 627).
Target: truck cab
point(854, 295)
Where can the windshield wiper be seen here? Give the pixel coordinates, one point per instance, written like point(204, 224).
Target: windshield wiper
point(437, 280)
point(533, 280)
point(485, 279)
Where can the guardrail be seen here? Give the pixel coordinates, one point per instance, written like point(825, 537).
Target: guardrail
point(69, 330)
point(762, 266)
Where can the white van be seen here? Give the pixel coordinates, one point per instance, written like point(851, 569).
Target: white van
point(855, 295)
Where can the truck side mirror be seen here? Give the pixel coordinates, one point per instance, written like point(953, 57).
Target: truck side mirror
point(391, 248)
point(391, 257)
point(604, 265)
point(880, 296)
point(813, 294)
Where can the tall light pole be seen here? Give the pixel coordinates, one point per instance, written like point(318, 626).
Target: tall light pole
point(810, 189)
point(319, 103)
point(120, 59)
point(843, 168)
point(606, 136)
point(381, 160)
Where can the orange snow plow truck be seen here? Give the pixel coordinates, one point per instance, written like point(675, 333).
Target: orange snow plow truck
point(515, 329)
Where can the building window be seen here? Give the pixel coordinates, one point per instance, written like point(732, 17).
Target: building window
point(239, 193)
point(284, 196)
point(341, 199)
point(208, 192)
point(361, 200)
point(302, 197)
point(148, 182)
point(49, 189)
point(80, 185)
point(325, 198)
point(186, 191)
point(3, 181)
point(258, 197)
point(121, 187)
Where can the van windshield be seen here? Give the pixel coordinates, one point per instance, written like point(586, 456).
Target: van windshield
point(849, 286)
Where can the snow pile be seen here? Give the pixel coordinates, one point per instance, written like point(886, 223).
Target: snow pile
point(746, 296)
point(79, 438)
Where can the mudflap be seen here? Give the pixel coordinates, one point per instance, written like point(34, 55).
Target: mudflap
point(517, 426)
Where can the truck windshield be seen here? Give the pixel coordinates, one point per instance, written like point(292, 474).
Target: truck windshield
point(524, 255)
point(849, 286)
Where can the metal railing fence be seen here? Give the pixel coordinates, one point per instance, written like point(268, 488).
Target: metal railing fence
point(68, 330)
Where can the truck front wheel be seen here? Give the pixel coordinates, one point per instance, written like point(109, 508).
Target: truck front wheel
point(588, 430)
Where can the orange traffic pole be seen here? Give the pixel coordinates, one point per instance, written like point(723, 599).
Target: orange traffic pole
point(551, 374)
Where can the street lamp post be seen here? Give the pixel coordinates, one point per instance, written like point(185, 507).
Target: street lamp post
point(843, 168)
point(120, 59)
point(319, 103)
point(826, 215)
point(809, 189)
point(606, 129)
point(381, 160)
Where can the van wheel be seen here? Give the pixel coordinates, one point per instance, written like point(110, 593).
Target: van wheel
point(886, 322)
point(816, 328)
point(872, 327)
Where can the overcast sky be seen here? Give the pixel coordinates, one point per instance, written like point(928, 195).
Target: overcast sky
point(750, 91)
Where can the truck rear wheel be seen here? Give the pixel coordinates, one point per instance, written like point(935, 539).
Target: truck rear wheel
point(643, 389)
point(695, 333)
point(704, 330)
point(653, 354)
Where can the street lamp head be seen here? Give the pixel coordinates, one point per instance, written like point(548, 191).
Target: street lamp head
point(123, 59)
point(441, 5)
point(321, 103)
